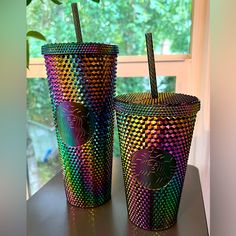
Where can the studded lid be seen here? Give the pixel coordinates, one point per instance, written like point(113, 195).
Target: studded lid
point(168, 104)
point(76, 48)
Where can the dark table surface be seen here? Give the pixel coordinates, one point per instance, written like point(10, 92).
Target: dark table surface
point(49, 214)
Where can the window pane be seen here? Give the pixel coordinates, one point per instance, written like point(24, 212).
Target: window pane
point(142, 84)
point(122, 22)
point(42, 153)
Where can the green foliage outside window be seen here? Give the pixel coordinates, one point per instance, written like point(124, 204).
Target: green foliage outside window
point(122, 22)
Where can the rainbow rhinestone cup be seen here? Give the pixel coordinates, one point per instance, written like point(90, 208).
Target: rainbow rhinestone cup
point(81, 79)
point(155, 138)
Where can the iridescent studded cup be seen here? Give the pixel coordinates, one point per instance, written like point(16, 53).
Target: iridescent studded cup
point(155, 141)
point(81, 79)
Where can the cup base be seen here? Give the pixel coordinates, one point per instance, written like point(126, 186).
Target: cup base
point(154, 229)
point(97, 204)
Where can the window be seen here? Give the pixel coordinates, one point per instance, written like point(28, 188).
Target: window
point(119, 22)
point(122, 22)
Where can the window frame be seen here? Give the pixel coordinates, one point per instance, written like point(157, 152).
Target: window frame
point(134, 66)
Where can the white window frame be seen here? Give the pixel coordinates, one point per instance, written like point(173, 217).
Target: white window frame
point(134, 66)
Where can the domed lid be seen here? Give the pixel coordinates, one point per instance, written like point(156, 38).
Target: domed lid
point(167, 104)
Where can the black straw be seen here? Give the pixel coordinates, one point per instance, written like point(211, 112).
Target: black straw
point(75, 13)
point(151, 65)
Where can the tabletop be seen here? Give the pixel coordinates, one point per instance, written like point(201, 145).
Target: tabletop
point(49, 214)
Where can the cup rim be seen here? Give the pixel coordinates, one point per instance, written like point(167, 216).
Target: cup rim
point(79, 48)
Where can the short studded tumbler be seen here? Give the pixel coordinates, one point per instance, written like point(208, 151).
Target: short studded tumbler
point(155, 141)
point(81, 79)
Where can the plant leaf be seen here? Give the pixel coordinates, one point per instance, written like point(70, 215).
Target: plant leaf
point(28, 2)
point(36, 35)
point(56, 2)
point(97, 1)
point(27, 53)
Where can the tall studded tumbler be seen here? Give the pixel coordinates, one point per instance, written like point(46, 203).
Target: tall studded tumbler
point(155, 141)
point(81, 79)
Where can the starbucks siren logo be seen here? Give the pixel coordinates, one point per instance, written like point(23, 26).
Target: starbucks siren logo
point(73, 124)
point(153, 168)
